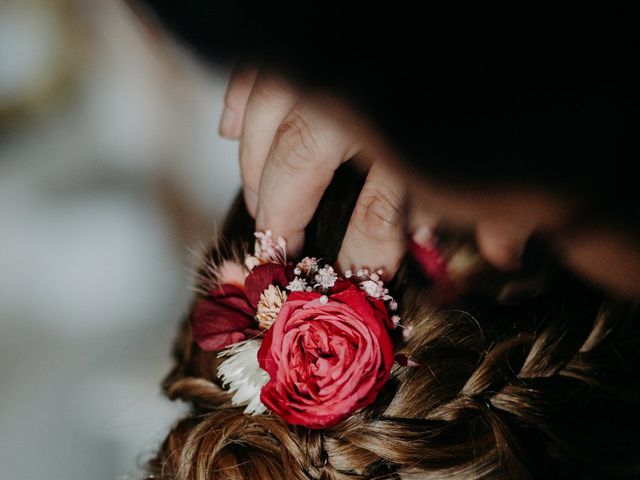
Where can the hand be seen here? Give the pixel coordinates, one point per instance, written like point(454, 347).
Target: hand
point(290, 147)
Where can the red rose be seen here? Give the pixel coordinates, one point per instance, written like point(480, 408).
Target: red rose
point(225, 317)
point(326, 360)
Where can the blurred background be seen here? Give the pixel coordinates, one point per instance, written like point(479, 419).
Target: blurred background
point(112, 179)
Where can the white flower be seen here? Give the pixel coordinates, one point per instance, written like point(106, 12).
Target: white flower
point(307, 266)
point(268, 250)
point(243, 375)
point(251, 262)
point(269, 306)
point(297, 285)
point(373, 289)
point(326, 277)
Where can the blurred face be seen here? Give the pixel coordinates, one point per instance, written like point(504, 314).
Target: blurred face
point(503, 220)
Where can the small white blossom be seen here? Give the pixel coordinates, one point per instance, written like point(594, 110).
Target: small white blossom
point(324, 299)
point(373, 289)
point(348, 274)
point(269, 251)
point(297, 285)
point(307, 266)
point(396, 320)
point(326, 277)
point(243, 375)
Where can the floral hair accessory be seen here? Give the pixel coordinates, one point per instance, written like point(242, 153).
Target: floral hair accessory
point(298, 339)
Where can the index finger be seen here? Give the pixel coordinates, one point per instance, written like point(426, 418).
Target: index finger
point(309, 146)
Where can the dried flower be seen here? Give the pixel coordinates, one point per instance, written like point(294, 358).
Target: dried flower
point(241, 372)
point(268, 250)
point(326, 277)
point(251, 262)
point(231, 273)
point(297, 285)
point(223, 317)
point(373, 289)
point(271, 301)
point(307, 266)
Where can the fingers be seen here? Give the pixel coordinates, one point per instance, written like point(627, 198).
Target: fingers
point(270, 101)
point(235, 101)
point(375, 235)
point(307, 149)
point(289, 151)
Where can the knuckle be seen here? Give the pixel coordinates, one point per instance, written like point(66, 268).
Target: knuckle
point(378, 215)
point(295, 145)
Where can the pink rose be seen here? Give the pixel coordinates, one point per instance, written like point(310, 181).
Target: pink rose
point(326, 360)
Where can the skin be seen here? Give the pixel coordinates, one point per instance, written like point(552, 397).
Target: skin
point(291, 144)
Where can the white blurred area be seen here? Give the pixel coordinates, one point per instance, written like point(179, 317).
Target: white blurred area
point(111, 175)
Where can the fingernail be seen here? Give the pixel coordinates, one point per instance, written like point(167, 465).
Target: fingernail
point(228, 123)
point(251, 201)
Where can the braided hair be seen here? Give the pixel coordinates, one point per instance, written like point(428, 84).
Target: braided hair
point(543, 386)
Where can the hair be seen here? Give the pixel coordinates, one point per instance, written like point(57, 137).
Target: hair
point(544, 386)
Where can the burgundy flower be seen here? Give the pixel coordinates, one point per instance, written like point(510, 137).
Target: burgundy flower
point(264, 275)
point(225, 317)
point(326, 356)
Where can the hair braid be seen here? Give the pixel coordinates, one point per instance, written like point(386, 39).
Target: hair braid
point(540, 388)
